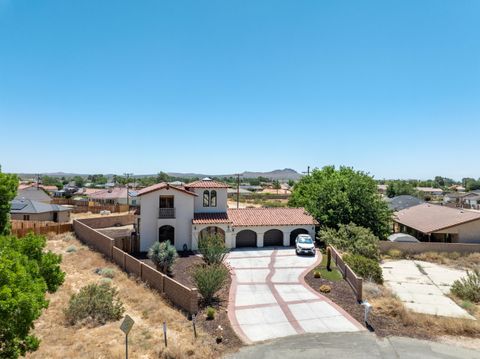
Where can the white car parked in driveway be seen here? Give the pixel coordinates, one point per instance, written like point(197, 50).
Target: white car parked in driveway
point(304, 244)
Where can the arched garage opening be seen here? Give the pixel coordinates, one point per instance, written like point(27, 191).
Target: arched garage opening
point(166, 233)
point(273, 237)
point(295, 233)
point(246, 238)
point(212, 231)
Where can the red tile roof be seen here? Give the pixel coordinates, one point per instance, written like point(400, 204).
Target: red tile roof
point(428, 218)
point(163, 185)
point(206, 183)
point(211, 218)
point(270, 217)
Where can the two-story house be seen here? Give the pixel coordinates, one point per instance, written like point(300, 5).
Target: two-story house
point(183, 214)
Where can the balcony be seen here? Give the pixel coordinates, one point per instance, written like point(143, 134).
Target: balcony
point(166, 213)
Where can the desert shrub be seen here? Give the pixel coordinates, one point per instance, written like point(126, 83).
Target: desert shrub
point(325, 288)
point(104, 281)
point(453, 255)
point(209, 280)
point(317, 274)
point(163, 255)
point(71, 249)
point(94, 303)
point(395, 253)
point(365, 267)
point(352, 238)
point(51, 272)
point(212, 248)
point(468, 288)
point(106, 272)
point(210, 313)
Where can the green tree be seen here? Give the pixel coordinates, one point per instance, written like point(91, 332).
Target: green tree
point(212, 248)
point(343, 196)
point(79, 181)
point(399, 187)
point(162, 177)
point(8, 191)
point(276, 185)
point(26, 273)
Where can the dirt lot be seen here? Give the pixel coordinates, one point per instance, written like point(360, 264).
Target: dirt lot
point(145, 306)
point(389, 317)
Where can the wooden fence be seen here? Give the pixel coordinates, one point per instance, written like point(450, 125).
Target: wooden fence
point(180, 295)
point(22, 228)
point(355, 282)
point(93, 207)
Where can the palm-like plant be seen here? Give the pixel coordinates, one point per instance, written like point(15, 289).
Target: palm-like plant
point(163, 255)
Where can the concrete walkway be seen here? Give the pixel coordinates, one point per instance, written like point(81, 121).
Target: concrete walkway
point(423, 286)
point(269, 298)
point(352, 346)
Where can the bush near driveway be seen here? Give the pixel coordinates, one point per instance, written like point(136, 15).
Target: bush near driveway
point(365, 267)
point(468, 288)
point(95, 303)
point(352, 238)
point(209, 280)
point(212, 248)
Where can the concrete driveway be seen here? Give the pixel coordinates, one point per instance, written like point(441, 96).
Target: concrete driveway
point(269, 299)
point(423, 286)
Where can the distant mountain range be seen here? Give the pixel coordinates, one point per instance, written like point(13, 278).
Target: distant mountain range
point(281, 175)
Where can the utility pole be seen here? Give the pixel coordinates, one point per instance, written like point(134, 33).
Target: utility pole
point(238, 190)
point(127, 175)
point(308, 171)
point(38, 181)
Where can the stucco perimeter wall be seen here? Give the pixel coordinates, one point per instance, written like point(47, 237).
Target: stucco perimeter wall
point(182, 296)
point(109, 221)
point(422, 247)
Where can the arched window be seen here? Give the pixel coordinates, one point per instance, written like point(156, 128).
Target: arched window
point(206, 198)
point(213, 198)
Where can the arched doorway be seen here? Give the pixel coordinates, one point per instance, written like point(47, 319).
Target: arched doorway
point(273, 237)
point(166, 233)
point(246, 238)
point(295, 233)
point(212, 231)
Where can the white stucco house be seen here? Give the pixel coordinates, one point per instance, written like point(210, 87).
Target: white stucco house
point(182, 214)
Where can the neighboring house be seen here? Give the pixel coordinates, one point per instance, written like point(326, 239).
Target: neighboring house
point(382, 189)
point(430, 191)
point(457, 188)
point(472, 201)
point(184, 214)
point(110, 196)
point(454, 197)
point(401, 202)
point(232, 192)
point(28, 210)
point(436, 223)
point(34, 194)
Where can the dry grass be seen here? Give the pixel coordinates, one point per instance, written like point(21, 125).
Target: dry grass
point(452, 259)
point(149, 310)
point(385, 303)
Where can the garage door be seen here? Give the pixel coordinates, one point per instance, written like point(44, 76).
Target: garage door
point(273, 237)
point(295, 233)
point(246, 238)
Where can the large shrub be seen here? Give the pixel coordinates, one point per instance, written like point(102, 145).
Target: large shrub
point(352, 238)
point(163, 255)
point(95, 303)
point(209, 280)
point(368, 269)
point(26, 273)
point(468, 288)
point(212, 248)
point(342, 196)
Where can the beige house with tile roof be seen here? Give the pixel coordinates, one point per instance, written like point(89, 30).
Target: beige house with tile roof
point(436, 223)
point(183, 214)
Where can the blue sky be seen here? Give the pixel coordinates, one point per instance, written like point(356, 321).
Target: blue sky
point(389, 87)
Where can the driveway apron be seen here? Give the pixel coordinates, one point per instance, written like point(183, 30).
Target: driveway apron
point(270, 299)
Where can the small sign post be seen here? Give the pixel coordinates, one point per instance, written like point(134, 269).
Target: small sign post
point(193, 323)
point(126, 326)
point(165, 333)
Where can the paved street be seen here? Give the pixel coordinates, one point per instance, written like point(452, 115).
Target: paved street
point(358, 345)
point(269, 299)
